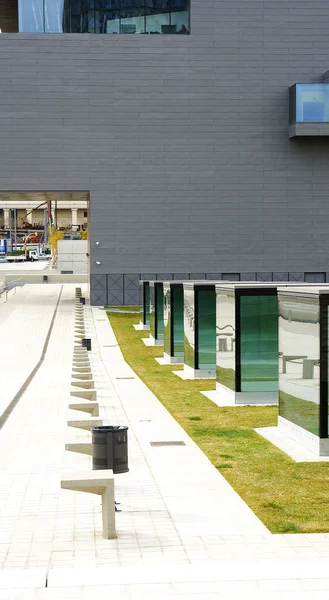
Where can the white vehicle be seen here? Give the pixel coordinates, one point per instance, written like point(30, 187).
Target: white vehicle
point(31, 255)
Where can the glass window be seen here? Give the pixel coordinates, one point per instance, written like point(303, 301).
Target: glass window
point(152, 311)
point(312, 103)
point(104, 16)
point(54, 16)
point(31, 16)
point(167, 319)
point(206, 322)
point(225, 339)
point(299, 359)
point(259, 343)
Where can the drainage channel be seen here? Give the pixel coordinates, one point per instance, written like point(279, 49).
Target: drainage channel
point(12, 405)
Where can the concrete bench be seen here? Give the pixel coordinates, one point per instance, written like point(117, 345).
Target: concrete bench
point(96, 482)
point(80, 447)
point(89, 407)
point(85, 394)
point(287, 357)
point(80, 375)
point(81, 372)
point(87, 384)
point(308, 367)
point(86, 424)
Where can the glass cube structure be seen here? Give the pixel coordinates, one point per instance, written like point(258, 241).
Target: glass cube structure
point(247, 343)
point(173, 296)
point(199, 330)
point(303, 366)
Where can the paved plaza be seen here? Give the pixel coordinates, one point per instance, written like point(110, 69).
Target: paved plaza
point(183, 533)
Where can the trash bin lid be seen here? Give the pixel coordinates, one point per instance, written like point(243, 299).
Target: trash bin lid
point(106, 428)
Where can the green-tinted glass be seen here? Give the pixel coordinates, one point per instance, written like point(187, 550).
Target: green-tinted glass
point(206, 322)
point(152, 310)
point(147, 303)
point(177, 315)
point(299, 370)
point(259, 343)
point(159, 311)
point(189, 345)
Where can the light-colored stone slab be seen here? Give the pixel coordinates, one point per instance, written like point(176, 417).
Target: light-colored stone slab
point(291, 447)
point(91, 407)
point(99, 482)
point(19, 578)
point(222, 400)
point(141, 327)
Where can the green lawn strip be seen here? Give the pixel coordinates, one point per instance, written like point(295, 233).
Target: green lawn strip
point(286, 496)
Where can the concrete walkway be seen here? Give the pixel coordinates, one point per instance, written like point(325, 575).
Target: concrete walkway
point(182, 533)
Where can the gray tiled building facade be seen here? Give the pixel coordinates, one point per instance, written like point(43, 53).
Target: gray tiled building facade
point(181, 141)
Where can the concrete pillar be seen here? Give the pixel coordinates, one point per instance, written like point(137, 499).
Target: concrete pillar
point(74, 218)
point(6, 217)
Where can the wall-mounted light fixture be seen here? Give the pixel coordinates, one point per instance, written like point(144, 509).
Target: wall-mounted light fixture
point(98, 262)
point(97, 243)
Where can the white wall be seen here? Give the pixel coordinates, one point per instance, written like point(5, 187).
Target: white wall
point(72, 256)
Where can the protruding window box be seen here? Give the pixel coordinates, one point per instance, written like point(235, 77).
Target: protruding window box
point(173, 296)
point(309, 110)
point(303, 366)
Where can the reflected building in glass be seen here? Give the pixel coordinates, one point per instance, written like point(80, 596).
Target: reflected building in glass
point(199, 331)
point(156, 313)
point(144, 302)
point(246, 344)
point(303, 366)
point(173, 296)
point(104, 16)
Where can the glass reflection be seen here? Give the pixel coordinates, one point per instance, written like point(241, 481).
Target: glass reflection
point(159, 324)
point(259, 343)
point(152, 310)
point(189, 342)
point(167, 318)
point(31, 16)
point(177, 315)
point(206, 323)
point(225, 339)
point(299, 362)
point(104, 16)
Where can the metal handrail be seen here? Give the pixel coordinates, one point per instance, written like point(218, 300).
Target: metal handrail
point(8, 287)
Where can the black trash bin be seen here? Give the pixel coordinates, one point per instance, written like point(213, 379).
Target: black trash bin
point(82, 300)
point(86, 343)
point(110, 448)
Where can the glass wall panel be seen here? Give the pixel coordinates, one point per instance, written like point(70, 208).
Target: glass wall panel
point(312, 102)
point(299, 358)
point(189, 321)
point(159, 327)
point(180, 17)
point(225, 339)
point(147, 303)
point(152, 310)
point(177, 315)
point(206, 323)
point(104, 16)
point(259, 343)
point(54, 16)
point(167, 318)
point(31, 16)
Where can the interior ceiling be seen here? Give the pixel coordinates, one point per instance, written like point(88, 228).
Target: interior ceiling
point(38, 197)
